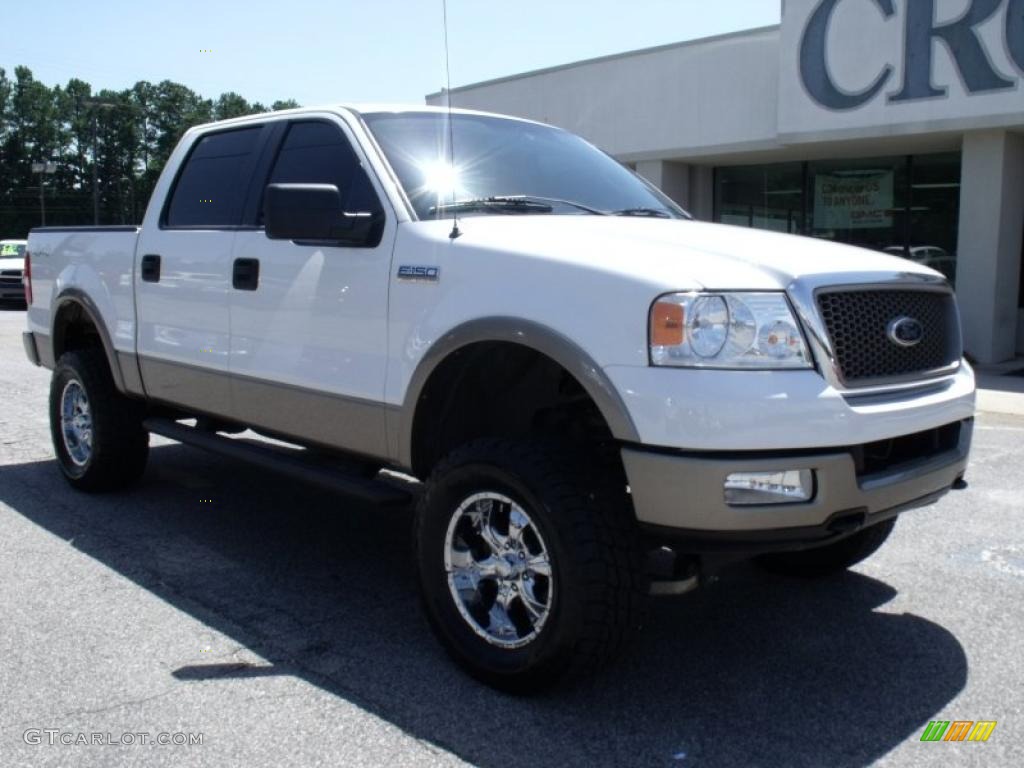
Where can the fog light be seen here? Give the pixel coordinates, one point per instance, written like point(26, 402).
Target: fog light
point(785, 487)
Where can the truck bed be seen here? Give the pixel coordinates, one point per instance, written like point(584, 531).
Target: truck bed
point(94, 262)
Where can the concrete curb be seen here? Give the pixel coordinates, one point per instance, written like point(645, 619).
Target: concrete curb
point(999, 393)
point(996, 401)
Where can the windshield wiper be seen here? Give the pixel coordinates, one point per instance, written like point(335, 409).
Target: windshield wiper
point(493, 204)
point(512, 204)
point(554, 201)
point(654, 213)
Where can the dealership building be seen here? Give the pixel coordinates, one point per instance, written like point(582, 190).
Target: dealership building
point(896, 125)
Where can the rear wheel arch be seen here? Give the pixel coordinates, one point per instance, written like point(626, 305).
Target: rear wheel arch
point(77, 324)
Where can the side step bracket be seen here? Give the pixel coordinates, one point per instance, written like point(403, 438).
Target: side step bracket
point(293, 462)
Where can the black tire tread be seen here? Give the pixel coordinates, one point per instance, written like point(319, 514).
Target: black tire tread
point(832, 558)
point(120, 444)
point(598, 515)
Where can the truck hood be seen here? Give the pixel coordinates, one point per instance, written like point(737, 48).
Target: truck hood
point(13, 262)
point(678, 254)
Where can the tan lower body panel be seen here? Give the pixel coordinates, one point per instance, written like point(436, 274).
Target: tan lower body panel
point(304, 415)
point(348, 424)
point(687, 492)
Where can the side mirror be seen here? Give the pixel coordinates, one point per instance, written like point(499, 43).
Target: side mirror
point(312, 212)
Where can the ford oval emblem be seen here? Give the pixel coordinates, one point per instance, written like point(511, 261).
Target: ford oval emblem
point(905, 332)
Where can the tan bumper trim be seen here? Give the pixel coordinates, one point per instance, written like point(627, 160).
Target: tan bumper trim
point(686, 491)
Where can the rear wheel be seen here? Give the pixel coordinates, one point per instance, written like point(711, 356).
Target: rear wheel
point(97, 432)
point(529, 565)
point(832, 558)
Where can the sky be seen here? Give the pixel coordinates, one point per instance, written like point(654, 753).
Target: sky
point(324, 51)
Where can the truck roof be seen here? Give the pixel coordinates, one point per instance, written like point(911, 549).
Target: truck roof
point(360, 109)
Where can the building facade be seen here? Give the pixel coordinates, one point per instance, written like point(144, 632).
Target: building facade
point(897, 125)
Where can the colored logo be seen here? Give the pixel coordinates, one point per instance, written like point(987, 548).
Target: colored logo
point(958, 730)
point(905, 332)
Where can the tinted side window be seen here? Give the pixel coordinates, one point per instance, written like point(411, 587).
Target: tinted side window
point(211, 187)
point(319, 153)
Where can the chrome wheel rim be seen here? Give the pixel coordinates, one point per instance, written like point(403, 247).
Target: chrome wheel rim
point(76, 423)
point(499, 570)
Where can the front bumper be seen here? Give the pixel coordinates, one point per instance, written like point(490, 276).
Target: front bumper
point(11, 291)
point(703, 410)
point(679, 497)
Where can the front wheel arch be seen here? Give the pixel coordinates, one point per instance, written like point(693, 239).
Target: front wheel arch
point(547, 344)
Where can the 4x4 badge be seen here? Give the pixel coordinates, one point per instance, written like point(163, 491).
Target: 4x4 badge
point(905, 332)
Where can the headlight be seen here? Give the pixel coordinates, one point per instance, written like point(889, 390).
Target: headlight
point(726, 330)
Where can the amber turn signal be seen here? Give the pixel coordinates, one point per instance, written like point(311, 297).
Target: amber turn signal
point(666, 324)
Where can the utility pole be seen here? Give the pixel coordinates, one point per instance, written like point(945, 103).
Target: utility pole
point(43, 169)
point(95, 173)
point(96, 155)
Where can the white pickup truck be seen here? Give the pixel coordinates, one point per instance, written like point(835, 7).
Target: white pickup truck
point(602, 397)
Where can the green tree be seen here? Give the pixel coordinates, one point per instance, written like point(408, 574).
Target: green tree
point(230, 105)
point(124, 136)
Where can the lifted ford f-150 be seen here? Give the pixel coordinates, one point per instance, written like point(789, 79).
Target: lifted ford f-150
point(602, 397)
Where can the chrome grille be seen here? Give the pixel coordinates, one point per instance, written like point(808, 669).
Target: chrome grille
point(858, 323)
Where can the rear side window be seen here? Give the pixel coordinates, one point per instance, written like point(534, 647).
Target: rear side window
point(319, 153)
point(210, 191)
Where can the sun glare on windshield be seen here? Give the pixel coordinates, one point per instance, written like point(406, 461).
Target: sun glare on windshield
point(441, 180)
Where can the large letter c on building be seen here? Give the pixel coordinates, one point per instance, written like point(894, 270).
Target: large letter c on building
point(1015, 32)
point(814, 61)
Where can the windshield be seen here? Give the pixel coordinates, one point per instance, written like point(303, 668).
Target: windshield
point(497, 160)
point(11, 250)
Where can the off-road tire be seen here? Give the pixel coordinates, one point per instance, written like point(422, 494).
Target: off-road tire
point(120, 446)
point(832, 558)
point(586, 520)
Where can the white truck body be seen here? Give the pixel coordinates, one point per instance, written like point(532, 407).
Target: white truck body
point(549, 255)
point(336, 347)
point(345, 326)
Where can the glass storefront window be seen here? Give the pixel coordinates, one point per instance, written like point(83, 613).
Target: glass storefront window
point(861, 202)
point(935, 211)
point(764, 197)
point(907, 206)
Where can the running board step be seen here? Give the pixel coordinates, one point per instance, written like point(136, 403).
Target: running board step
point(286, 461)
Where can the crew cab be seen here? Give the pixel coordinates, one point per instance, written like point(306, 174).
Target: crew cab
point(599, 397)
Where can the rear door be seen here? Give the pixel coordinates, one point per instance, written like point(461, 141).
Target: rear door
point(183, 271)
point(309, 334)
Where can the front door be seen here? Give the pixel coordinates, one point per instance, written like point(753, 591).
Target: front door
point(309, 334)
point(183, 273)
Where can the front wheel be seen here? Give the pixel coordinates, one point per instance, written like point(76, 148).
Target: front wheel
point(97, 432)
point(832, 558)
point(528, 563)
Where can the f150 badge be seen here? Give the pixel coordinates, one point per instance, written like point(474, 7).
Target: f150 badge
point(414, 272)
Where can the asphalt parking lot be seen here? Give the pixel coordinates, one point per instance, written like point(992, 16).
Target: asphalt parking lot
point(281, 625)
